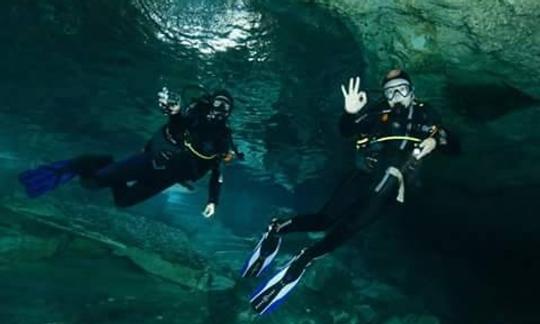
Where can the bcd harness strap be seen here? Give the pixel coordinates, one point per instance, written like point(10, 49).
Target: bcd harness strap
point(188, 145)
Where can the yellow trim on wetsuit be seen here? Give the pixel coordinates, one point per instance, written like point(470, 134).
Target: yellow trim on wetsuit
point(202, 156)
point(366, 140)
point(362, 141)
point(398, 138)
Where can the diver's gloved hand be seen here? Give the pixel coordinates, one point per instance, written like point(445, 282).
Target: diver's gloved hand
point(355, 99)
point(209, 210)
point(426, 147)
point(167, 103)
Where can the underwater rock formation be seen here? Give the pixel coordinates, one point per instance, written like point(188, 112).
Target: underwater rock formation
point(490, 42)
point(39, 231)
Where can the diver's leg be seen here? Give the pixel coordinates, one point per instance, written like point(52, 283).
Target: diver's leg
point(269, 244)
point(137, 168)
point(284, 281)
point(88, 164)
point(356, 219)
point(132, 168)
point(125, 196)
point(348, 193)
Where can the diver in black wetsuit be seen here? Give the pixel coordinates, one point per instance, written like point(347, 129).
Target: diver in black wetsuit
point(195, 140)
point(392, 136)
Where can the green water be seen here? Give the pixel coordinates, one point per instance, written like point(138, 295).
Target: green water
point(82, 76)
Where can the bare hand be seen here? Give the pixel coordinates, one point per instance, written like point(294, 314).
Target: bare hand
point(355, 99)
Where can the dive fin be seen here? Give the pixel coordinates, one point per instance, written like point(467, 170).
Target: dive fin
point(46, 178)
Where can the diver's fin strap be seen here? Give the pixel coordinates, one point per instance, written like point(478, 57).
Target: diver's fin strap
point(282, 225)
point(394, 172)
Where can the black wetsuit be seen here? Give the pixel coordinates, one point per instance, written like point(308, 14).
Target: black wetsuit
point(360, 199)
point(183, 150)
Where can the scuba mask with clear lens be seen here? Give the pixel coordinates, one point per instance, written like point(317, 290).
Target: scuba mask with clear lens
point(403, 89)
point(220, 108)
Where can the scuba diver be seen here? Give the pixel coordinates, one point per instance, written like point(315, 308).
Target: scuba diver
point(392, 136)
point(195, 140)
